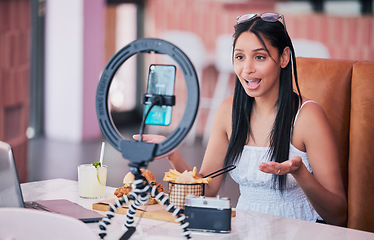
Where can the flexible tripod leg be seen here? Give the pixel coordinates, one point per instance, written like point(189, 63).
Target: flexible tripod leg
point(180, 218)
point(140, 195)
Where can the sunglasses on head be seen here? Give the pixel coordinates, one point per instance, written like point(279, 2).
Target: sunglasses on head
point(268, 17)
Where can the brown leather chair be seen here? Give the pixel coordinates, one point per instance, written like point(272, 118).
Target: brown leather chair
point(345, 90)
point(361, 149)
point(328, 82)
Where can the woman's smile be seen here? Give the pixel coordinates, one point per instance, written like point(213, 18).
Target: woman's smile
point(252, 83)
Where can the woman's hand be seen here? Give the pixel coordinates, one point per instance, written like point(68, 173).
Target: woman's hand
point(150, 138)
point(289, 166)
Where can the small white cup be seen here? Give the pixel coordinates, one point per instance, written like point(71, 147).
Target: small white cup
point(92, 181)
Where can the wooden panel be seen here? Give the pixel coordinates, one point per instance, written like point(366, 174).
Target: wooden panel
point(15, 30)
point(155, 212)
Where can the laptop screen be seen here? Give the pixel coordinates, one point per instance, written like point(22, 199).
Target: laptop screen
point(10, 190)
point(11, 194)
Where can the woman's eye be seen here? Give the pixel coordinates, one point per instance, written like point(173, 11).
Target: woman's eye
point(239, 57)
point(260, 57)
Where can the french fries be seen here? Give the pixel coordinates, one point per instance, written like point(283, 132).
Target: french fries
point(172, 175)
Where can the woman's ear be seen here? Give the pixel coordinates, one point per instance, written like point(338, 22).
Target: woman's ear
point(285, 57)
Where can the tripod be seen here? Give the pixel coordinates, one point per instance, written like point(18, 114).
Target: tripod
point(139, 153)
point(140, 195)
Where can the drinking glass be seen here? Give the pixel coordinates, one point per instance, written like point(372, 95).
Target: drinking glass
point(92, 181)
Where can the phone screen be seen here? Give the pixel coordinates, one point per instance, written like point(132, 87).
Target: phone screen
point(161, 79)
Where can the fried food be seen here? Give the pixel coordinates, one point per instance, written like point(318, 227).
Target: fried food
point(128, 185)
point(186, 177)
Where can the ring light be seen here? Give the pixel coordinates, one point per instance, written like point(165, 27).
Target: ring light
point(135, 151)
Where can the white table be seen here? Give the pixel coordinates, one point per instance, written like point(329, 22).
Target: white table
point(246, 225)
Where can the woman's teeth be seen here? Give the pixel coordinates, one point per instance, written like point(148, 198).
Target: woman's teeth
point(253, 82)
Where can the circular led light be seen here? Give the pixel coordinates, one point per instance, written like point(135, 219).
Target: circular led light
point(142, 151)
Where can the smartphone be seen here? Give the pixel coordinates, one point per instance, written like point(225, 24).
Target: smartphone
point(161, 80)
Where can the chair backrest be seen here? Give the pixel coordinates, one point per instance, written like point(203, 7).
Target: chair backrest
point(310, 49)
point(191, 44)
point(223, 53)
point(361, 151)
point(22, 224)
point(328, 82)
point(224, 65)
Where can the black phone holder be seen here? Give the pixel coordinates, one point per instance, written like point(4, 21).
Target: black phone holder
point(160, 100)
point(141, 153)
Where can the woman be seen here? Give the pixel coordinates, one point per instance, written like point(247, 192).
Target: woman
point(282, 143)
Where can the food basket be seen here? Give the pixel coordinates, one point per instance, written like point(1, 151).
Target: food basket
point(179, 191)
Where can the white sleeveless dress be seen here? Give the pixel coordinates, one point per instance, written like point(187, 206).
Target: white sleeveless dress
point(257, 192)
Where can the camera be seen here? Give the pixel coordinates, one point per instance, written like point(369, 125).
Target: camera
point(208, 214)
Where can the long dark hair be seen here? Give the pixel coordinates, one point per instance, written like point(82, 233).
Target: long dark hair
point(287, 104)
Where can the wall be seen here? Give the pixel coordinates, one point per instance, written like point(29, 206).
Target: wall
point(345, 37)
point(74, 61)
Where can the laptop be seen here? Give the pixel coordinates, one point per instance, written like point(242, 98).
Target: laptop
point(11, 194)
